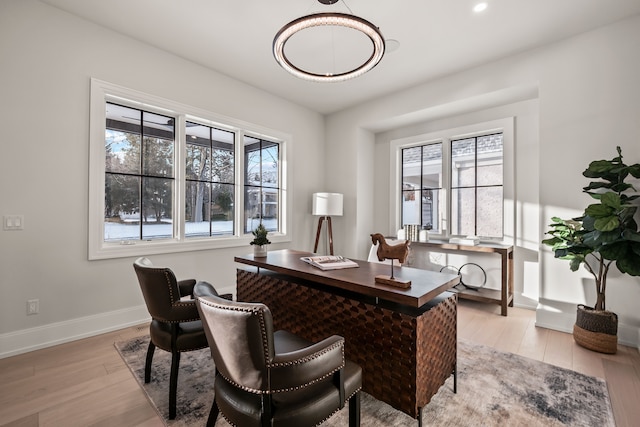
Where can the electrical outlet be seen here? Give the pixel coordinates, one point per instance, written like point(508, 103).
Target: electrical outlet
point(33, 306)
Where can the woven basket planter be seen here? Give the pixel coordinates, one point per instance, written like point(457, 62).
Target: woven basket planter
point(596, 330)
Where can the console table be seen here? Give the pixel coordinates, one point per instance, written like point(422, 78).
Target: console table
point(503, 297)
point(405, 340)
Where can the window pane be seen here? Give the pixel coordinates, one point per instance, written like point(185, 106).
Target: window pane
point(270, 210)
point(123, 118)
point(490, 212)
point(122, 152)
point(157, 157)
point(463, 205)
point(157, 203)
point(222, 209)
point(270, 165)
point(223, 166)
point(463, 163)
point(490, 154)
point(262, 177)
point(209, 191)
point(198, 154)
point(209, 209)
point(122, 201)
point(430, 210)
point(252, 170)
point(158, 126)
point(197, 207)
point(431, 184)
point(421, 182)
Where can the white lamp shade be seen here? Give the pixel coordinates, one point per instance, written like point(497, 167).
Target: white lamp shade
point(327, 204)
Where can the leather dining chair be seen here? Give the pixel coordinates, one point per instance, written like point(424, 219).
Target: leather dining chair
point(175, 322)
point(266, 378)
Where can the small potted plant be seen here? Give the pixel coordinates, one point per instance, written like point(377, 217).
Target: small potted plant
point(260, 241)
point(605, 234)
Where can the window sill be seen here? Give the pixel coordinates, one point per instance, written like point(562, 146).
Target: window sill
point(143, 248)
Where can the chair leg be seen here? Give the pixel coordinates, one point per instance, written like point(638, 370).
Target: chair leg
point(354, 410)
point(213, 414)
point(147, 363)
point(173, 384)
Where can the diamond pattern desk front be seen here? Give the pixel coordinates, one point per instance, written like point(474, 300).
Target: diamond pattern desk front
point(405, 340)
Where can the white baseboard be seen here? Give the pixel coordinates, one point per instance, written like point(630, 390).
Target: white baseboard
point(26, 340)
point(561, 316)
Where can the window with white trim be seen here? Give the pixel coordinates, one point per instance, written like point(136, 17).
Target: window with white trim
point(453, 183)
point(165, 177)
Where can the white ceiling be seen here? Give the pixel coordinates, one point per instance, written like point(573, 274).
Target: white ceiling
point(437, 37)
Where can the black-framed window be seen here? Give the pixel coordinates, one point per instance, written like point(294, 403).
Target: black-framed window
point(166, 177)
point(422, 185)
point(477, 186)
point(210, 181)
point(139, 174)
point(262, 186)
point(459, 197)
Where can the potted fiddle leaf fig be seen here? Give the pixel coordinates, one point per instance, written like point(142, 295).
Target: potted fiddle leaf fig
point(260, 241)
point(606, 234)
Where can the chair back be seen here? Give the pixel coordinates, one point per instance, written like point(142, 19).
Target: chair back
point(161, 293)
point(240, 337)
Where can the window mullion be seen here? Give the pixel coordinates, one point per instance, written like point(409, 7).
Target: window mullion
point(446, 176)
point(240, 174)
point(141, 188)
point(180, 153)
point(475, 188)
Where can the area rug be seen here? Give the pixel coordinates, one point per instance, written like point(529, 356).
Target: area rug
point(494, 389)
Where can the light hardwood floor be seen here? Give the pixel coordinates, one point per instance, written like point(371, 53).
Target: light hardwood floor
point(86, 383)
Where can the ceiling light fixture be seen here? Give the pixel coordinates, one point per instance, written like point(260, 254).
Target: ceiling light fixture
point(480, 7)
point(332, 19)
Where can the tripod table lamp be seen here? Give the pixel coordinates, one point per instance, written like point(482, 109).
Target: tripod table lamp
point(326, 205)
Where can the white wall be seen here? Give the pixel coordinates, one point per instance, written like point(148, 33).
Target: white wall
point(583, 93)
point(47, 60)
point(573, 101)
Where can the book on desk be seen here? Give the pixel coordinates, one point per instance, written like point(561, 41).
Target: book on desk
point(329, 262)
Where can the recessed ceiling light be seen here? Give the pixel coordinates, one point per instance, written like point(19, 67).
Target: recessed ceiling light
point(479, 7)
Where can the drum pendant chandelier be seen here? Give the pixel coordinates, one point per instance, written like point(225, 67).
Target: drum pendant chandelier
point(329, 19)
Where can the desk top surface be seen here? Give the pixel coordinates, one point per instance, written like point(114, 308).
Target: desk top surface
point(425, 285)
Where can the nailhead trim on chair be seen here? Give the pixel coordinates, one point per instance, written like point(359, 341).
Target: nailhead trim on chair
point(173, 299)
point(172, 296)
point(260, 312)
point(329, 416)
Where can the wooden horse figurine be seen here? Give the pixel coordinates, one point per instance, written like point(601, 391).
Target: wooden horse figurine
point(386, 251)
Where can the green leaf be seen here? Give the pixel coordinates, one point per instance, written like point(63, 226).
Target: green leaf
point(575, 263)
point(599, 167)
point(631, 235)
point(611, 200)
point(615, 251)
point(596, 238)
point(635, 170)
point(552, 241)
point(607, 223)
point(599, 210)
point(629, 265)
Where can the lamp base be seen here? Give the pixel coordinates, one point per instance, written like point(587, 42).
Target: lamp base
point(398, 283)
point(320, 221)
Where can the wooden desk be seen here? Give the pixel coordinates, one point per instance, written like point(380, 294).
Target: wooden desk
point(503, 297)
point(405, 340)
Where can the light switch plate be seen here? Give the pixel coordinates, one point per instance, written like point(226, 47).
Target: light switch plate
point(13, 222)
